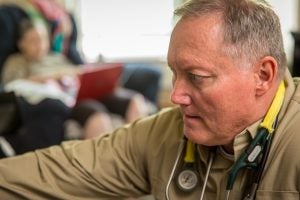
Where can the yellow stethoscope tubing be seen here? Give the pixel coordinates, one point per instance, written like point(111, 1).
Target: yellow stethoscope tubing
point(264, 132)
point(189, 155)
point(272, 113)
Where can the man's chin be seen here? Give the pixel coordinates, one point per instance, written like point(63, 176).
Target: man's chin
point(192, 135)
point(198, 137)
point(194, 129)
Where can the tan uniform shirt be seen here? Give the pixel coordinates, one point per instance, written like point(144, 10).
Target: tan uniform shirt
point(138, 159)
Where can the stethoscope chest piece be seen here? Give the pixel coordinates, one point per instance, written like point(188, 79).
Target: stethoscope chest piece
point(187, 180)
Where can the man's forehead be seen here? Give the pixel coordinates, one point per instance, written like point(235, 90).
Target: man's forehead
point(196, 28)
point(193, 35)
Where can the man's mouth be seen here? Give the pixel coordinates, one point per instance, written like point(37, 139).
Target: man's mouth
point(191, 116)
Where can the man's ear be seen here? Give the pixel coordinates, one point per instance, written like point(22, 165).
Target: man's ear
point(266, 73)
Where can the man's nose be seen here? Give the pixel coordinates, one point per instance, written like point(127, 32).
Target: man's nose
point(179, 94)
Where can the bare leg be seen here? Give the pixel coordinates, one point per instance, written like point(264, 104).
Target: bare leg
point(97, 124)
point(137, 108)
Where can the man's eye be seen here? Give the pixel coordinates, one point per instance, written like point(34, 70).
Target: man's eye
point(196, 78)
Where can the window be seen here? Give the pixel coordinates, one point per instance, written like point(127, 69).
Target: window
point(130, 29)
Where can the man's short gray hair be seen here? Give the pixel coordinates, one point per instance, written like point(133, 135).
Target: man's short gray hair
point(251, 27)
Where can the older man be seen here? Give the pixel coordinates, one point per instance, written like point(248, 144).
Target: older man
point(232, 88)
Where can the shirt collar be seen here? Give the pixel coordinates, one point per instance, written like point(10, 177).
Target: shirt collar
point(242, 140)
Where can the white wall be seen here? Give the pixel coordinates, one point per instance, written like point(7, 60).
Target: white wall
point(287, 11)
point(126, 30)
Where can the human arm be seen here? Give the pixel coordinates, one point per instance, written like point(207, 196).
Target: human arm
point(90, 169)
point(14, 68)
point(56, 74)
